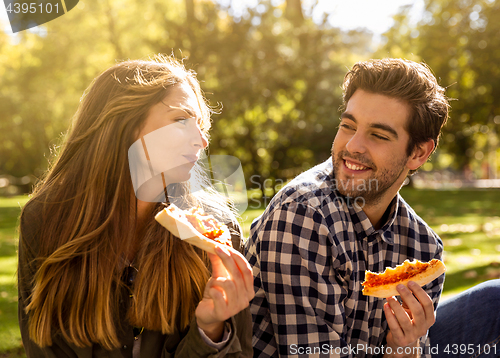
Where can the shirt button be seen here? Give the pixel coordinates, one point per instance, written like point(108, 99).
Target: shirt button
point(125, 347)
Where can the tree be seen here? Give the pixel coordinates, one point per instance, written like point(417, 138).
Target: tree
point(460, 41)
point(276, 78)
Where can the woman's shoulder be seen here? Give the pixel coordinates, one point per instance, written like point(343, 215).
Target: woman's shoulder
point(31, 220)
point(29, 245)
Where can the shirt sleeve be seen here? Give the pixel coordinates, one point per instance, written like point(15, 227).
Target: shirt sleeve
point(298, 305)
point(224, 340)
point(238, 344)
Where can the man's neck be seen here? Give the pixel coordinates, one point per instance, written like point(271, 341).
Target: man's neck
point(375, 212)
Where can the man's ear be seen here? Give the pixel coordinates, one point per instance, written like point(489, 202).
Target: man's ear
point(420, 154)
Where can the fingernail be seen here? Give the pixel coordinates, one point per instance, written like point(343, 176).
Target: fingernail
point(222, 249)
point(401, 288)
point(412, 284)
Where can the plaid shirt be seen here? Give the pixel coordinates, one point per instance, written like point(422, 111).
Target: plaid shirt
point(309, 251)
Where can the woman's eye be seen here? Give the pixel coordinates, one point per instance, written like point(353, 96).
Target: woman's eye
point(182, 120)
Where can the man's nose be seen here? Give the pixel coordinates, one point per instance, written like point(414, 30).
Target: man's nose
point(356, 144)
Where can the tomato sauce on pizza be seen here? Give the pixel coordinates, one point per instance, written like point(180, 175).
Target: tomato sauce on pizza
point(392, 275)
point(385, 284)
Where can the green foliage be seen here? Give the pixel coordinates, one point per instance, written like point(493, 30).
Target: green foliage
point(460, 41)
point(10, 339)
point(273, 75)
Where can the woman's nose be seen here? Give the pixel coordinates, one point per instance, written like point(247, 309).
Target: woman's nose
point(204, 140)
point(200, 138)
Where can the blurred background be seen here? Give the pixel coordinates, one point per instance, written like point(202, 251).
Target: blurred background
point(273, 69)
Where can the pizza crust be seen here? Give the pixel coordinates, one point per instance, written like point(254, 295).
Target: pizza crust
point(434, 269)
point(175, 221)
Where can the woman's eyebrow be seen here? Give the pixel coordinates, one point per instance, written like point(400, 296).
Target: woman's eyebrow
point(188, 110)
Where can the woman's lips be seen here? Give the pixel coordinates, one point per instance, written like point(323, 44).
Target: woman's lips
point(191, 158)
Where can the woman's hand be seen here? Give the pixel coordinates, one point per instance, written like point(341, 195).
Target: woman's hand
point(228, 292)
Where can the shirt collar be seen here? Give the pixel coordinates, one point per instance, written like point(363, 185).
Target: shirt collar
point(362, 225)
point(386, 231)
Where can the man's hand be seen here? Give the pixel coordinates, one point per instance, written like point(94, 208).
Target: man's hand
point(410, 321)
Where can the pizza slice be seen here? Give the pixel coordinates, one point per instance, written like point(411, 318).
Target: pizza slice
point(384, 284)
point(194, 227)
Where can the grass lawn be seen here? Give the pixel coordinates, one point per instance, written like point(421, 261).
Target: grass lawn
point(10, 338)
point(468, 221)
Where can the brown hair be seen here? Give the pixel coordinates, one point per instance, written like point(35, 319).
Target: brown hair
point(410, 82)
point(88, 217)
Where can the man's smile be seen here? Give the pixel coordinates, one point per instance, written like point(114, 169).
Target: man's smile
point(354, 166)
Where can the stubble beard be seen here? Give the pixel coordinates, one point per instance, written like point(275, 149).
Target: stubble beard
point(371, 189)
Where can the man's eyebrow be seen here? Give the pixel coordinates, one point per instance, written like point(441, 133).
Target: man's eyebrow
point(381, 126)
point(386, 128)
point(348, 116)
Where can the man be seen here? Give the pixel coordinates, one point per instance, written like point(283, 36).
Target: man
point(310, 248)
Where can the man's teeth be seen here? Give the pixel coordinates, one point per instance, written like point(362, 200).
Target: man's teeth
point(354, 166)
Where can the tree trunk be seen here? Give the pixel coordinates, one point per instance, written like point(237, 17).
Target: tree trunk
point(189, 11)
point(294, 12)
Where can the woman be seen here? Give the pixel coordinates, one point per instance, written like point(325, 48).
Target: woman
point(98, 277)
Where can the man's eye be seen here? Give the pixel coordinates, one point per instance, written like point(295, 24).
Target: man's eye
point(380, 137)
point(346, 126)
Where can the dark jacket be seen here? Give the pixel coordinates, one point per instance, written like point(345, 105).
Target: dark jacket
point(188, 343)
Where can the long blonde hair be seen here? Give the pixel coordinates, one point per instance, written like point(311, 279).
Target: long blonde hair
point(88, 220)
